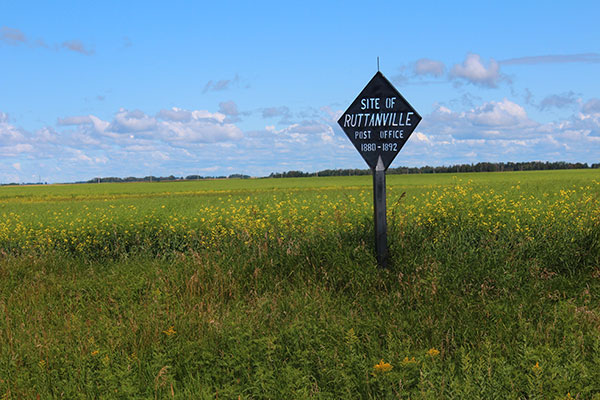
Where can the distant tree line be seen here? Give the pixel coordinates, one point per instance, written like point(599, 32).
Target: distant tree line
point(169, 178)
point(478, 167)
point(23, 184)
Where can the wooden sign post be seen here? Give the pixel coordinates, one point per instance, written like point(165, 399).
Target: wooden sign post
point(380, 214)
point(378, 123)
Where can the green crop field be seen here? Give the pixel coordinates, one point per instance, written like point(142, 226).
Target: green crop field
point(268, 288)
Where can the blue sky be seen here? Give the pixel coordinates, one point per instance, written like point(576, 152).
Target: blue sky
point(157, 88)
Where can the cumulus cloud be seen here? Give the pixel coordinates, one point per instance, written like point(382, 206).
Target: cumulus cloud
point(175, 114)
point(134, 129)
point(501, 120)
point(13, 141)
point(473, 70)
point(199, 130)
point(426, 66)
point(134, 121)
point(450, 137)
point(181, 115)
point(590, 58)
point(169, 126)
point(135, 143)
point(130, 143)
point(310, 141)
point(98, 124)
point(16, 150)
point(504, 113)
point(46, 134)
point(9, 134)
point(502, 131)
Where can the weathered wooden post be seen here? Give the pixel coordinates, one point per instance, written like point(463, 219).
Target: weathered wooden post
point(380, 215)
point(378, 123)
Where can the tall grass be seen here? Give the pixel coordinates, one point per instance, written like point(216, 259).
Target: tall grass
point(272, 292)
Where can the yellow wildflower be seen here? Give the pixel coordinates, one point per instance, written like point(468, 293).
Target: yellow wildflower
point(382, 366)
point(536, 368)
point(95, 352)
point(170, 331)
point(433, 352)
point(407, 361)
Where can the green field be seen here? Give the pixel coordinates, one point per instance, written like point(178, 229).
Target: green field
point(268, 288)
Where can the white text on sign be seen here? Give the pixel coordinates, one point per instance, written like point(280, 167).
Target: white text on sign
point(366, 120)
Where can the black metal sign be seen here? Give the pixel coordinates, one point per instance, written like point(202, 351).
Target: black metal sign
point(379, 121)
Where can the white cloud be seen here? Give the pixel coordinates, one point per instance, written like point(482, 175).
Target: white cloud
point(208, 116)
point(160, 156)
point(198, 131)
point(501, 120)
point(179, 115)
point(122, 145)
point(584, 122)
point(499, 114)
point(16, 150)
point(592, 106)
point(47, 135)
point(173, 127)
point(98, 124)
point(132, 121)
point(214, 168)
point(17, 166)
point(133, 143)
point(175, 114)
point(426, 66)
point(474, 71)
point(9, 134)
point(81, 156)
point(421, 137)
point(502, 131)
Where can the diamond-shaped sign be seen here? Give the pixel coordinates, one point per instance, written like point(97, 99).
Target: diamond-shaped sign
point(379, 121)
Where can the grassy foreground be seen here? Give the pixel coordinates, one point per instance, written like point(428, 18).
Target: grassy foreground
point(268, 289)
